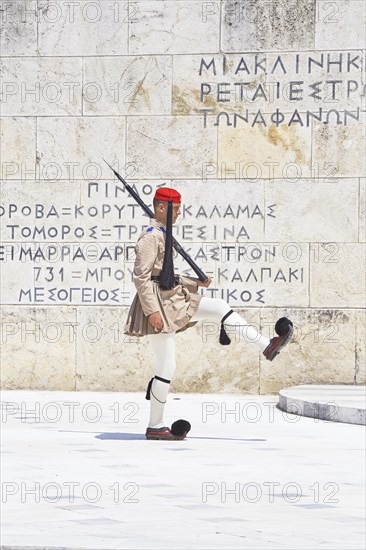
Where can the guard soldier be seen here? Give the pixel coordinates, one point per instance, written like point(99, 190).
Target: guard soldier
point(166, 304)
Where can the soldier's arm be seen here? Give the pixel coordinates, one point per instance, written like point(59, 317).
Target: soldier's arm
point(192, 283)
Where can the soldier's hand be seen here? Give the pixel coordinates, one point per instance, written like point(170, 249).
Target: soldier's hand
point(206, 284)
point(156, 321)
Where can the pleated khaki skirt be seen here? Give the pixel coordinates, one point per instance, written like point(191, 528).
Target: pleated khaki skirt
point(176, 306)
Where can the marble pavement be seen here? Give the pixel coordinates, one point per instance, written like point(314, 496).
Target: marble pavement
point(77, 473)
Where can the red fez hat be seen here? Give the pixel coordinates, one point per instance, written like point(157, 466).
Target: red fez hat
point(166, 194)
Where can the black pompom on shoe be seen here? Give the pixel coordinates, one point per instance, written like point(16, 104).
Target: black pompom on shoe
point(282, 327)
point(180, 428)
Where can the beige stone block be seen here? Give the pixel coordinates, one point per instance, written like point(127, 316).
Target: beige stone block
point(173, 26)
point(317, 81)
point(117, 216)
point(265, 151)
point(18, 26)
point(215, 211)
point(80, 146)
point(215, 88)
point(170, 147)
point(205, 366)
point(41, 203)
point(41, 86)
point(322, 350)
point(340, 25)
point(16, 277)
point(281, 279)
point(306, 209)
point(84, 28)
point(59, 250)
point(362, 233)
point(108, 360)
point(337, 276)
point(127, 85)
point(18, 147)
point(38, 349)
point(339, 150)
point(257, 25)
point(360, 371)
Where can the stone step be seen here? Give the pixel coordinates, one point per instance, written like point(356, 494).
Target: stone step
point(336, 403)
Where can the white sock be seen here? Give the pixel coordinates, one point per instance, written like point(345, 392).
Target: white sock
point(241, 328)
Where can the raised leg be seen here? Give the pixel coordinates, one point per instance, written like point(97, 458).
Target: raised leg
point(215, 309)
point(218, 310)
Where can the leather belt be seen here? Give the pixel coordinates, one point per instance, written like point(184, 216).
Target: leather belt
point(157, 279)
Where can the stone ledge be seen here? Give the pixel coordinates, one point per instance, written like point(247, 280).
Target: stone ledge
point(336, 403)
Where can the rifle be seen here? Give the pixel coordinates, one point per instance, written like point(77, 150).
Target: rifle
point(202, 277)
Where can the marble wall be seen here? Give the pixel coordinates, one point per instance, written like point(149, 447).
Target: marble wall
point(255, 111)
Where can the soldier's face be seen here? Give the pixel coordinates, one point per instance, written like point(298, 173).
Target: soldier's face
point(163, 212)
point(176, 212)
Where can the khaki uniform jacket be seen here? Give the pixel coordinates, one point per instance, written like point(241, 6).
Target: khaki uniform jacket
point(176, 306)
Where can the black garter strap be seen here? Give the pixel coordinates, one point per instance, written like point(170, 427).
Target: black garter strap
point(162, 379)
point(224, 339)
point(148, 390)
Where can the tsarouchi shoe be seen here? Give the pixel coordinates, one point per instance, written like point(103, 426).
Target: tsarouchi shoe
point(278, 342)
point(162, 433)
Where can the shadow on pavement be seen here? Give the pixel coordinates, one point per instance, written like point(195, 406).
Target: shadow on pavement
point(125, 436)
point(130, 436)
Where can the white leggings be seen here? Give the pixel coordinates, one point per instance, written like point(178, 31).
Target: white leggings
point(163, 346)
